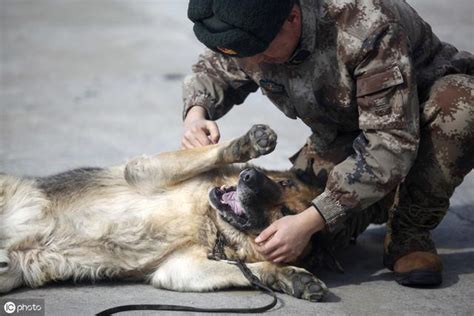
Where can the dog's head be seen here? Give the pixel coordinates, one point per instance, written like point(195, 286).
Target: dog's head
point(261, 197)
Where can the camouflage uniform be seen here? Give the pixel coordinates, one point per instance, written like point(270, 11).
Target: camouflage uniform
point(387, 103)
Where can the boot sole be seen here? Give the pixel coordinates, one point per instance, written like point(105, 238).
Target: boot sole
point(419, 278)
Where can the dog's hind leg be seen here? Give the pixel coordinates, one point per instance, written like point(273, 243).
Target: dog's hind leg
point(165, 169)
point(33, 266)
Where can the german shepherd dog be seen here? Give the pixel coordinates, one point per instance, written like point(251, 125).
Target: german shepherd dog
point(167, 219)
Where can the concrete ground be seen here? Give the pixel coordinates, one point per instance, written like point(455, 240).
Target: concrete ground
point(93, 83)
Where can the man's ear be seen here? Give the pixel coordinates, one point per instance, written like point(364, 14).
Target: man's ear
point(295, 15)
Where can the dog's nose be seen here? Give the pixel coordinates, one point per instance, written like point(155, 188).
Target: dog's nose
point(249, 176)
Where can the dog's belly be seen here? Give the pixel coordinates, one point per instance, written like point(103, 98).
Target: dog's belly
point(128, 231)
point(106, 231)
point(127, 212)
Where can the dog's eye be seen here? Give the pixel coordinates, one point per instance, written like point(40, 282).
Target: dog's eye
point(287, 183)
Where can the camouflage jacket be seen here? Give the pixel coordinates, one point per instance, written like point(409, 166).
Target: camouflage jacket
point(353, 71)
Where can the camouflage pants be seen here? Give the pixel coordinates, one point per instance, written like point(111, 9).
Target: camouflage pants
point(445, 157)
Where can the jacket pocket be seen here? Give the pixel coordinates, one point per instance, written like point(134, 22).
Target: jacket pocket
point(381, 98)
point(375, 91)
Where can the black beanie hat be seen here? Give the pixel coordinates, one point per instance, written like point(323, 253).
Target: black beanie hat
point(238, 28)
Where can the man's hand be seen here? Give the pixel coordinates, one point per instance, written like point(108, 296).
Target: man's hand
point(285, 239)
point(197, 130)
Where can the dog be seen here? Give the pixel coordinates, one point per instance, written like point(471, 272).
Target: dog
point(170, 219)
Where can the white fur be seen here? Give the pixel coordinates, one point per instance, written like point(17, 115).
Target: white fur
point(182, 272)
point(21, 210)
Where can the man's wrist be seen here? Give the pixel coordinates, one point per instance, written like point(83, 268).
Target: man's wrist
point(331, 210)
point(314, 219)
point(195, 113)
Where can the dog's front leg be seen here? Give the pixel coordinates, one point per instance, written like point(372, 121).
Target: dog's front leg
point(165, 169)
point(190, 270)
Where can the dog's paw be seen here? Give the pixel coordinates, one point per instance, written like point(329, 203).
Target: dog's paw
point(302, 284)
point(259, 140)
point(263, 139)
point(4, 261)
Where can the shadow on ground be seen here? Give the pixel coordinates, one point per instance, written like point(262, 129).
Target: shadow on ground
point(363, 262)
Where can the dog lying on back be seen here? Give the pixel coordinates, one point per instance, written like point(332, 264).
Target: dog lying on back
point(168, 219)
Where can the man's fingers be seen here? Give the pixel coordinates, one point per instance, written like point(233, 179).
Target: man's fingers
point(193, 141)
point(213, 131)
point(267, 233)
point(200, 133)
point(282, 259)
point(202, 138)
point(282, 256)
point(270, 248)
point(280, 252)
point(278, 260)
point(196, 137)
point(185, 144)
point(276, 253)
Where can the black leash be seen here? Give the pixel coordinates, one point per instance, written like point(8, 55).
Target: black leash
point(255, 282)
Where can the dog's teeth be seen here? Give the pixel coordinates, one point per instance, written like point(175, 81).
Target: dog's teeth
point(222, 187)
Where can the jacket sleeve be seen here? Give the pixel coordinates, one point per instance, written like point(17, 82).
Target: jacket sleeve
point(217, 84)
point(387, 147)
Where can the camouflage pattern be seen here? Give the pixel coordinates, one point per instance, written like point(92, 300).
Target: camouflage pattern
point(360, 78)
point(445, 156)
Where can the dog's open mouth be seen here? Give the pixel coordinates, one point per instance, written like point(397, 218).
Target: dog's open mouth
point(226, 201)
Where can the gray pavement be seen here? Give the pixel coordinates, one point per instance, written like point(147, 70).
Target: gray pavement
point(93, 83)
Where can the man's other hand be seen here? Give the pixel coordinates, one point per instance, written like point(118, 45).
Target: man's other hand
point(198, 131)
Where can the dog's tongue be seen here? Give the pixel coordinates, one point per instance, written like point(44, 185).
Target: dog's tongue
point(230, 198)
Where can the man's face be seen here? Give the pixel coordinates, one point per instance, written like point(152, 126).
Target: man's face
point(284, 44)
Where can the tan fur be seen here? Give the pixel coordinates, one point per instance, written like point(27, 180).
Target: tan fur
point(147, 220)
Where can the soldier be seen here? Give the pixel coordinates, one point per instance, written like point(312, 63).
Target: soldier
point(391, 109)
